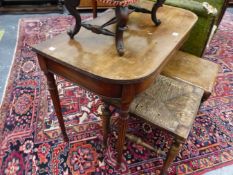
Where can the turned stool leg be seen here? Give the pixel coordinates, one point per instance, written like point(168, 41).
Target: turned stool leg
point(173, 152)
point(122, 14)
point(106, 116)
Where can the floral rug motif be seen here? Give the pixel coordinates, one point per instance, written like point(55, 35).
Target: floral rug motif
point(30, 139)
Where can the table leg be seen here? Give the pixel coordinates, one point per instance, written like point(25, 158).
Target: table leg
point(106, 116)
point(122, 128)
point(126, 99)
point(56, 102)
point(122, 14)
point(54, 94)
point(71, 7)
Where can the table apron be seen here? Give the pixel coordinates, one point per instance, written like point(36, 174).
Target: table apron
point(92, 84)
point(97, 86)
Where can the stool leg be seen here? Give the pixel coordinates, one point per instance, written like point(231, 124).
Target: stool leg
point(106, 116)
point(71, 7)
point(122, 14)
point(173, 152)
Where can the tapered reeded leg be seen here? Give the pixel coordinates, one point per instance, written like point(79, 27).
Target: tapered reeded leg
point(106, 116)
point(56, 102)
point(122, 14)
point(71, 7)
point(127, 97)
point(155, 7)
point(54, 95)
point(173, 152)
point(123, 124)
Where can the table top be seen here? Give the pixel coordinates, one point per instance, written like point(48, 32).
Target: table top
point(147, 47)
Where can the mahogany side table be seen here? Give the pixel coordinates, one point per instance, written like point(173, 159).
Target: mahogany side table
point(90, 60)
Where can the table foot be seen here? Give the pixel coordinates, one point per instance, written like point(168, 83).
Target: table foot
point(122, 13)
point(71, 7)
point(65, 137)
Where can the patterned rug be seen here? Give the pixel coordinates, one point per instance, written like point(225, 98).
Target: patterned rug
point(30, 139)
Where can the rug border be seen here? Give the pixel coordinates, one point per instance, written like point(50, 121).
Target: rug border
point(211, 169)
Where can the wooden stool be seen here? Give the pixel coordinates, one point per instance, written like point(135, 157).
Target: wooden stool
point(193, 70)
point(169, 104)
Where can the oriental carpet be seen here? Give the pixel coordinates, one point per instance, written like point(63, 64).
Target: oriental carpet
point(30, 139)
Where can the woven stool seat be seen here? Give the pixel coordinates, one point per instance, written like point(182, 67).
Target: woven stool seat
point(170, 104)
point(119, 2)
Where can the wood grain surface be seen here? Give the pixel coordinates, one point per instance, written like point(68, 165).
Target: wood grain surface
point(148, 47)
point(193, 70)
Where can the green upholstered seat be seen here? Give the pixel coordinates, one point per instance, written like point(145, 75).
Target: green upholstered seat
point(201, 32)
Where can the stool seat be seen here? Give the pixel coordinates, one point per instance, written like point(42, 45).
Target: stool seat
point(169, 104)
point(193, 70)
point(123, 3)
